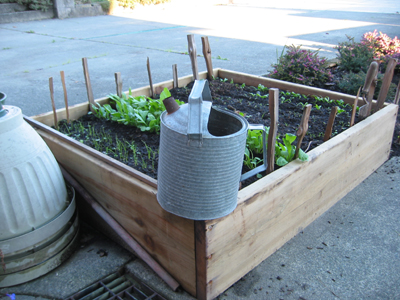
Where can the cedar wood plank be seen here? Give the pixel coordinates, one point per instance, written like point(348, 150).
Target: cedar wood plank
point(271, 212)
point(168, 238)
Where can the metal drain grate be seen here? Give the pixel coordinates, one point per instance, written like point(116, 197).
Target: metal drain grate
point(119, 285)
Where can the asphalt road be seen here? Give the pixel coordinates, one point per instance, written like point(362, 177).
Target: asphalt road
point(247, 36)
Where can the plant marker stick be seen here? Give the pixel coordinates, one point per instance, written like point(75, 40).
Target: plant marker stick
point(193, 55)
point(303, 127)
point(65, 94)
point(387, 80)
point(52, 102)
point(118, 82)
point(353, 112)
point(332, 116)
point(88, 83)
point(369, 86)
point(175, 75)
point(274, 113)
point(207, 56)
point(150, 80)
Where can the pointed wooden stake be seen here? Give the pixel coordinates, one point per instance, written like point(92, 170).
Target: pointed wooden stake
point(207, 56)
point(368, 90)
point(52, 102)
point(274, 113)
point(386, 81)
point(303, 127)
point(150, 79)
point(331, 121)
point(397, 96)
point(118, 83)
point(65, 94)
point(175, 75)
point(88, 83)
point(353, 112)
point(193, 56)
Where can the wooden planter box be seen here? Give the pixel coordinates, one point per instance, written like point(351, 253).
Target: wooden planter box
point(207, 257)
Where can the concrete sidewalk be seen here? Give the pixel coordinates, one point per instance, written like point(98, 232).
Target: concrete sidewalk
point(351, 252)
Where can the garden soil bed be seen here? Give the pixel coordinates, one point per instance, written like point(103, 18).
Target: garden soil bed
point(250, 101)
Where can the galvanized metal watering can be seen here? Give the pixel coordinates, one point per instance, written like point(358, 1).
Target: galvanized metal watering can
point(201, 157)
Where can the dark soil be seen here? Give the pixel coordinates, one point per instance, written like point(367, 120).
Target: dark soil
point(228, 96)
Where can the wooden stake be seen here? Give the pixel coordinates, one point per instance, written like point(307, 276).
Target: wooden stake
point(329, 126)
point(207, 56)
point(387, 80)
point(274, 113)
point(150, 79)
point(193, 55)
point(52, 102)
point(175, 75)
point(65, 94)
point(118, 83)
point(303, 127)
point(88, 83)
point(368, 90)
point(397, 96)
point(353, 112)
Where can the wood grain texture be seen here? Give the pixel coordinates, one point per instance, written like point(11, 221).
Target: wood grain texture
point(88, 82)
point(207, 56)
point(150, 79)
point(168, 238)
point(275, 208)
point(386, 81)
point(65, 94)
point(193, 55)
point(118, 83)
point(53, 105)
point(208, 257)
point(254, 80)
point(331, 121)
point(175, 75)
point(303, 128)
point(273, 129)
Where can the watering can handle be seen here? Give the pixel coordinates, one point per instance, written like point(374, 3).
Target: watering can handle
point(200, 91)
point(265, 165)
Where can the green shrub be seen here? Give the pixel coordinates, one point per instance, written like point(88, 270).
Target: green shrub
point(354, 57)
point(301, 66)
point(42, 5)
point(351, 82)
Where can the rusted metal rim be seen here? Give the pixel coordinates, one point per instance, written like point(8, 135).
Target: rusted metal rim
point(40, 235)
point(42, 268)
point(29, 259)
point(43, 249)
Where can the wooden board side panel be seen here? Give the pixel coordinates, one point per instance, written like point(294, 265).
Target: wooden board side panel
point(168, 238)
point(288, 202)
point(253, 80)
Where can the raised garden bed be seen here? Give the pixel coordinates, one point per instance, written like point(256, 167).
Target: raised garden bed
point(206, 257)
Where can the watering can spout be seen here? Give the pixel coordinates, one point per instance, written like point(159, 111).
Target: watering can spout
point(170, 105)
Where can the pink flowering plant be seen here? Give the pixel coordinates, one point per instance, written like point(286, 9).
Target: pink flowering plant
point(381, 44)
point(301, 66)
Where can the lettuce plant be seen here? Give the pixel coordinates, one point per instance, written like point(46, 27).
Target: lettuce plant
point(141, 112)
point(284, 152)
